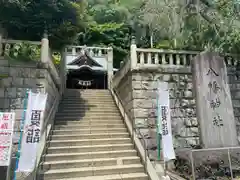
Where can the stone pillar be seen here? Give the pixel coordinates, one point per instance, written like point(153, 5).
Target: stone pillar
point(63, 72)
point(45, 48)
point(133, 51)
point(110, 65)
point(1, 37)
point(74, 53)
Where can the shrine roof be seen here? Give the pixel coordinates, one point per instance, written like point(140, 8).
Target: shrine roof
point(84, 60)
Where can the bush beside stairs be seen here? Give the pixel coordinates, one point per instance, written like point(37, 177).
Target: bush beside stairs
point(89, 141)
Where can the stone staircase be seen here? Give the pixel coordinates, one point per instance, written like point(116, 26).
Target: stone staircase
point(89, 141)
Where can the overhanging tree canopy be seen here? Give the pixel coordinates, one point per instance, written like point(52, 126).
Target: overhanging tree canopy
point(27, 19)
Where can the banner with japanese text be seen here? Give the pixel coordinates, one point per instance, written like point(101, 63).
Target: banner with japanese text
point(165, 121)
point(32, 131)
point(6, 135)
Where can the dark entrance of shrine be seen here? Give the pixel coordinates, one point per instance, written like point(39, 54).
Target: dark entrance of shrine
point(86, 78)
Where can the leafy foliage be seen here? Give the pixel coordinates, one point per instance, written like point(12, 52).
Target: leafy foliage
point(27, 20)
point(191, 25)
point(195, 25)
point(25, 52)
point(108, 34)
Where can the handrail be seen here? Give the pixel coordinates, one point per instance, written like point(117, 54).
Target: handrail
point(145, 148)
point(137, 143)
point(133, 130)
point(10, 41)
point(91, 47)
point(47, 130)
point(167, 51)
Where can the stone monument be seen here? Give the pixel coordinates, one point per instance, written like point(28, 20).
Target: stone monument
point(213, 100)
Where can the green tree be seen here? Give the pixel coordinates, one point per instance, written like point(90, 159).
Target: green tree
point(108, 34)
point(108, 27)
point(27, 20)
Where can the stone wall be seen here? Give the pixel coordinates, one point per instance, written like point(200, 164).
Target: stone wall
point(138, 92)
point(15, 79)
point(234, 85)
point(125, 93)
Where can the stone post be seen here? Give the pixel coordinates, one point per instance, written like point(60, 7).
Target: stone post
point(133, 51)
point(1, 37)
point(110, 65)
point(63, 72)
point(45, 48)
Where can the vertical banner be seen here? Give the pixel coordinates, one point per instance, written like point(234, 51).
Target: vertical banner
point(32, 131)
point(164, 121)
point(6, 136)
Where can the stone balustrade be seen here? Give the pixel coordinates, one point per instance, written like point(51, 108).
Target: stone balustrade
point(12, 46)
point(158, 57)
point(93, 51)
point(171, 58)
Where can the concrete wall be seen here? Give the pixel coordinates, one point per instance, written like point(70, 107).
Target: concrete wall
point(138, 88)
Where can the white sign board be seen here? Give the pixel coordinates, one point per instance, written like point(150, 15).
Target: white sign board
point(85, 83)
point(6, 134)
point(165, 121)
point(32, 131)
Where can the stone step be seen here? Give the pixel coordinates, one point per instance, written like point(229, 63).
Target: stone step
point(99, 117)
point(96, 148)
point(89, 96)
point(87, 113)
point(93, 171)
point(89, 155)
point(82, 92)
point(90, 163)
point(87, 90)
point(87, 126)
point(86, 109)
point(88, 106)
point(128, 176)
point(89, 136)
point(88, 142)
point(87, 119)
point(89, 103)
point(89, 131)
point(88, 99)
point(90, 122)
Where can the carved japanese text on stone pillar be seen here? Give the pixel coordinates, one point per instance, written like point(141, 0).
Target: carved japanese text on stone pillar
point(213, 99)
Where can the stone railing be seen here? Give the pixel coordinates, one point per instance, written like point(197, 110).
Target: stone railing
point(11, 47)
point(47, 59)
point(170, 58)
point(93, 51)
point(142, 59)
point(158, 57)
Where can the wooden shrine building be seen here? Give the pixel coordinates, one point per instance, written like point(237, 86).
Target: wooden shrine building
point(87, 72)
